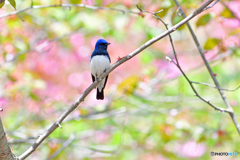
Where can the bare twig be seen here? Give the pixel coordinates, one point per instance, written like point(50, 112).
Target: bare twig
point(197, 94)
point(67, 6)
point(112, 67)
point(215, 59)
point(230, 90)
point(211, 5)
point(179, 67)
point(210, 70)
point(166, 26)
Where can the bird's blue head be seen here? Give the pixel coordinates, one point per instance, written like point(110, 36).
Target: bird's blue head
point(101, 44)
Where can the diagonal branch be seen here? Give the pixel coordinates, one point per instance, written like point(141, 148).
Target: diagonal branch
point(57, 123)
point(166, 26)
point(210, 70)
point(179, 67)
point(211, 5)
point(195, 91)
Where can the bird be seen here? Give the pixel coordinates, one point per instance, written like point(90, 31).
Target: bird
point(99, 63)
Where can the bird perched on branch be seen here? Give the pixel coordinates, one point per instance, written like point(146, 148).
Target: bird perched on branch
point(99, 63)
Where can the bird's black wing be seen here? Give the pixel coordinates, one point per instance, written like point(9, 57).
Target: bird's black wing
point(93, 78)
point(105, 82)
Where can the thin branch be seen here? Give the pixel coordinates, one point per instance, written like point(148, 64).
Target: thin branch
point(204, 59)
point(179, 67)
point(67, 6)
point(31, 140)
point(196, 93)
point(166, 26)
point(211, 5)
point(210, 70)
point(206, 84)
point(216, 58)
point(112, 67)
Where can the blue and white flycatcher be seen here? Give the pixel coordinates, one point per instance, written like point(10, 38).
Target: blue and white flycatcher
point(99, 63)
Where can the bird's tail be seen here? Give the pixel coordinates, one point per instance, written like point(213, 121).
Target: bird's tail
point(100, 95)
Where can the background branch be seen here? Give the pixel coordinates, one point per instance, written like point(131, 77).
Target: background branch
point(179, 67)
point(210, 70)
point(205, 84)
point(93, 85)
point(67, 6)
point(195, 91)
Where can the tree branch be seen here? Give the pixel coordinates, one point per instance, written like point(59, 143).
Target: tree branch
point(205, 84)
point(5, 151)
point(112, 67)
point(179, 67)
point(210, 70)
point(195, 91)
point(211, 5)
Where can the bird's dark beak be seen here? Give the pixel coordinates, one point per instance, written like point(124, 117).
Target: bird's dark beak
point(108, 43)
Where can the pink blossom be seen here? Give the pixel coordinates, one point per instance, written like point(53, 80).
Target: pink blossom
point(75, 79)
point(191, 149)
point(101, 136)
point(77, 40)
point(50, 67)
point(3, 102)
point(84, 52)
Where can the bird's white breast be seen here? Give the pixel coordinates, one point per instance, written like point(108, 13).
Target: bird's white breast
point(99, 64)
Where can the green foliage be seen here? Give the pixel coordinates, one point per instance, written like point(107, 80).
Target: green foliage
point(237, 52)
point(203, 20)
point(147, 57)
point(227, 13)
point(1, 4)
point(211, 43)
point(163, 12)
point(128, 85)
point(13, 3)
point(75, 1)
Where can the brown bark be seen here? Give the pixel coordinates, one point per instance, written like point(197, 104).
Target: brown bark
point(5, 151)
